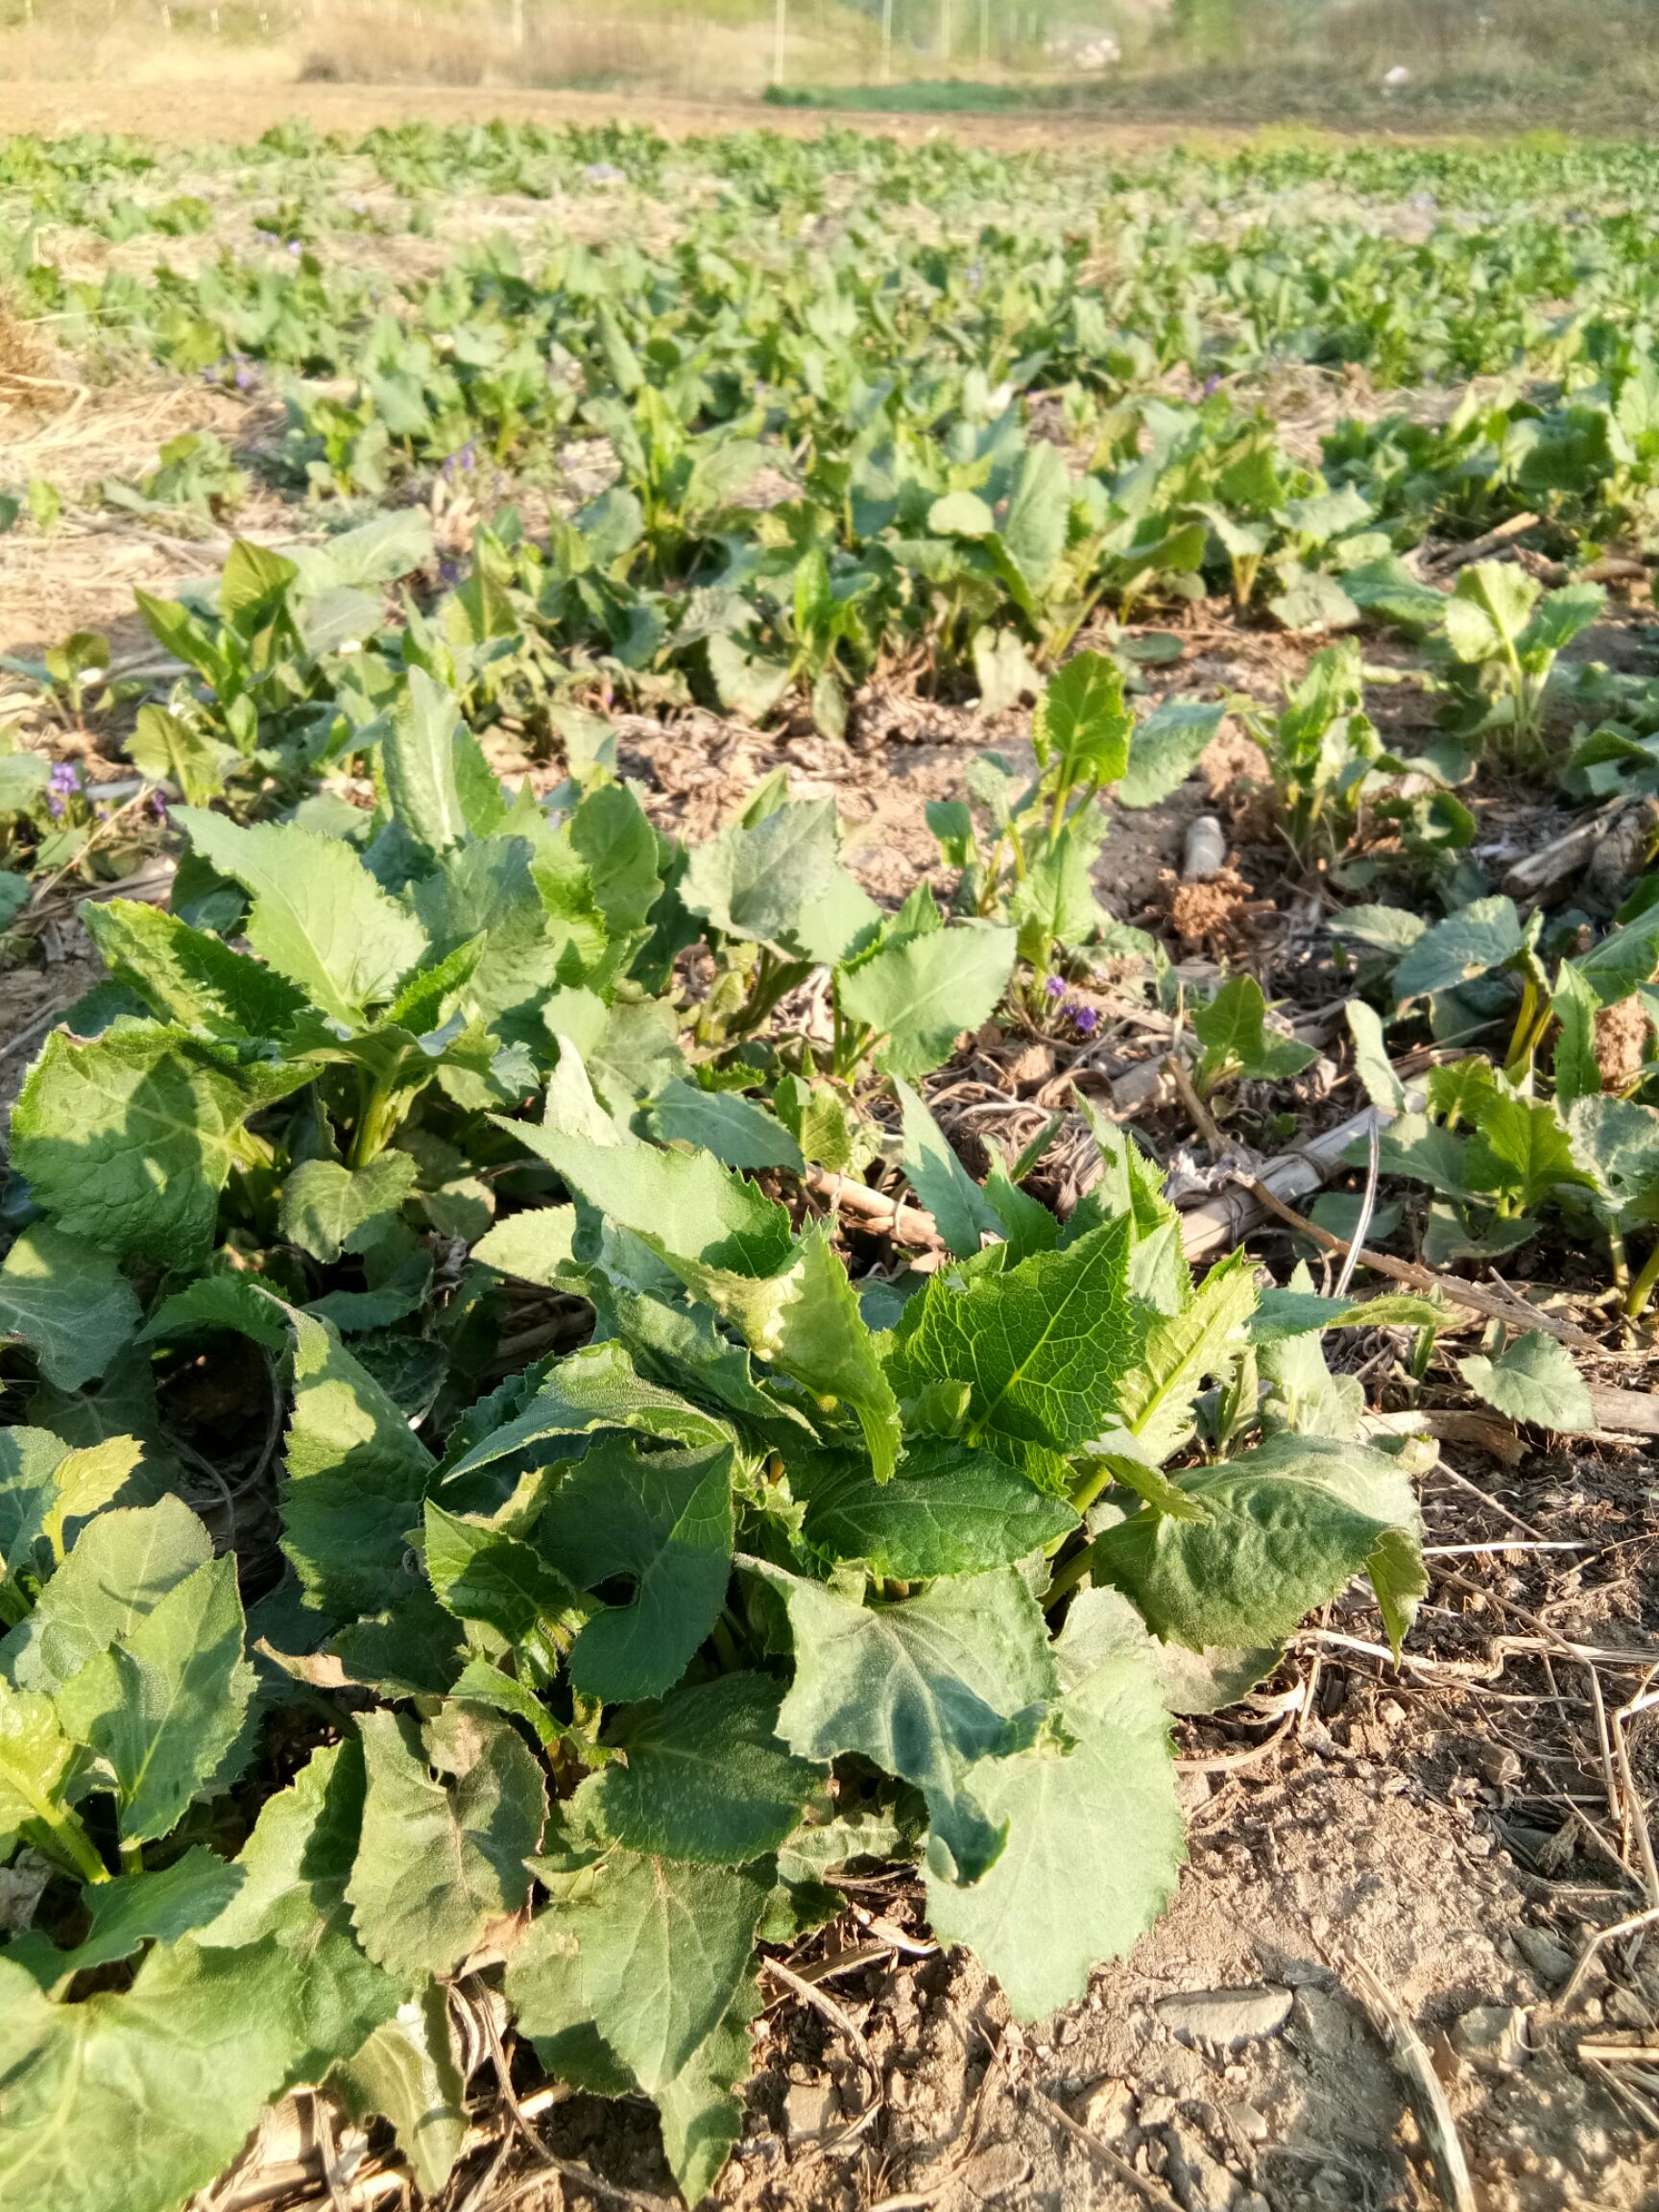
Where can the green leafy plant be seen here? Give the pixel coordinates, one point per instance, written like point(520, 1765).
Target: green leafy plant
point(1504, 633)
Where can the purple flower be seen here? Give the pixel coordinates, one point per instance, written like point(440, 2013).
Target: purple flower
point(1212, 384)
point(64, 777)
point(1084, 1021)
point(295, 246)
point(468, 457)
point(157, 806)
point(1054, 987)
point(245, 378)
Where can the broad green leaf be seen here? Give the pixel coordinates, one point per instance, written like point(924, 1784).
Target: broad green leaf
point(1180, 1351)
point(664, 1522)
point(806, 1321)
point(420, 758)
point(499, 890)
point(952, 1509)
point(686, 1202)
point(738, 1132)
point(916, 998)
point(925, 1687)
point(703, 1776)
point(254, 580)
point(1164, 749)
point(188, 976)
point(232, 1302)
point(536, 1246)
point(1043, 1346)
point(1575, 1006)
point(1618, 1139)
point(1533, 1379)
point(1094, 1835)
point(35, 1758)
point(760, 881)
point(1622, 962)
point(89, 1478)
point(1303, 1396)
point(132, 1909)
point(171, 2074)
point(124, 1564)
point(1488, 608)
point(651, 1951)
point(449, 1817)
point(1233, 1031)
point(702, 2118)
point(1480, 936)
point(409, 2072)
point(356, 1478)
point(29, 1491)
point(166, 749)
point(128, 1138)
point(161, 1708)
point(484, 1573)
point(940, 1181)
point(1285, 1528)
point(1379, 928)
point(69, 1304)
point(1081, 727)
point(1296, 1312)
point(327, 1209)
point(1130, 1188)
point(1523, 1148)
point(1039, 511)
point(318, 917)
point(593, 1389)
point(294, 1868)
point(1371, 1062)
point(615, 843)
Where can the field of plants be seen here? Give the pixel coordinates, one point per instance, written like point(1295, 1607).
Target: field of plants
point(832, 1192)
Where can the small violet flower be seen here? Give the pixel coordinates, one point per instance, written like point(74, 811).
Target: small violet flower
point(1054, 987)
point(1085, 1020)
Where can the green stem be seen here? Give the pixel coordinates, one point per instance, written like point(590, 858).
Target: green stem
point(1617, 1254)
point(1642, 1289)
point(1521, 1037)
point(1068, 1577)
point(66, 1830)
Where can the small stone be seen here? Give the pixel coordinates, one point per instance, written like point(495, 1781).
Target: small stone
point(1626, 2010)
point(1549, 1960)
point(1391, 1713)
point(1155, 2111)
point(1492, 2036)
point(997, 2170)
point(1251, 2123)
point(1032, 1067)
point(1225, 2017)
point(1201, 2183)
point(1109, 2108)
point(1192, 1789)
point(1497, 1763)
point(808, 2106)
point(1324, 2019)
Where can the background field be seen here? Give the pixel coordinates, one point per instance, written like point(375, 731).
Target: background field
point(1471, 63)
